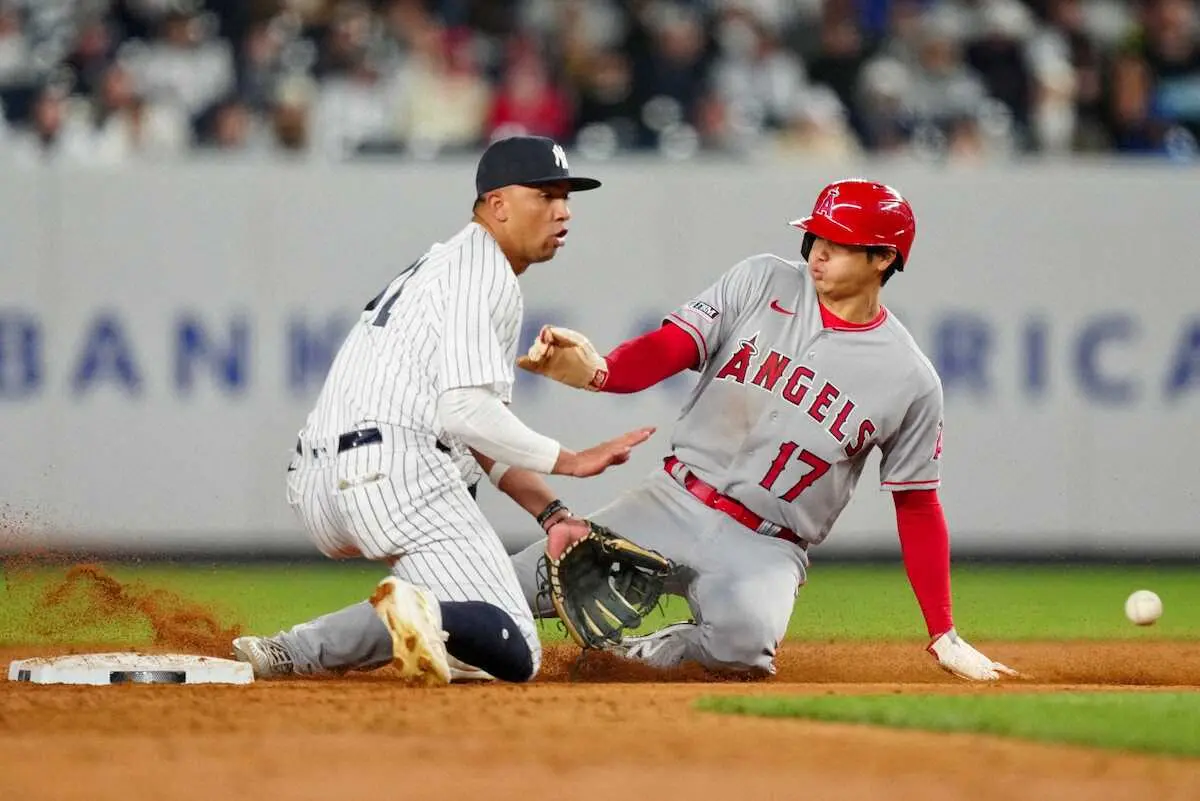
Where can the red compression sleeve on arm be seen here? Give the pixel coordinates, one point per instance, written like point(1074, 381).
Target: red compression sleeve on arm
point(925, 545)
point(642, 362)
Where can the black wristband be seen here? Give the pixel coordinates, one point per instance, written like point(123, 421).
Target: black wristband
point(551, 509)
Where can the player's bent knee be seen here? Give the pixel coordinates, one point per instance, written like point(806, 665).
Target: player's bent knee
point(487, 637)
point(742, 648)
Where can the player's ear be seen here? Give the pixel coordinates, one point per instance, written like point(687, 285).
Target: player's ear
point(882, 258)
point(497, 203)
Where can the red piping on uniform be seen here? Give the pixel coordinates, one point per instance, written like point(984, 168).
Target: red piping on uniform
point(831, 320)
point(675, 318)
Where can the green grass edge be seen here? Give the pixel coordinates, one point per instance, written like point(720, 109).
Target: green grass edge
point(1161, 723)
point(840, 603)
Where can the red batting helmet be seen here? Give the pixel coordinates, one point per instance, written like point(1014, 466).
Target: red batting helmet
point(861, 212)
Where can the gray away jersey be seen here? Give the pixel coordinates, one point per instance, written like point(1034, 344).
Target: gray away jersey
point(786, 410)
point(449, 320)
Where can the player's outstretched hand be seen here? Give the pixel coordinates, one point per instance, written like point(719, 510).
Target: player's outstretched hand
point(956, 655)
point(597, 459)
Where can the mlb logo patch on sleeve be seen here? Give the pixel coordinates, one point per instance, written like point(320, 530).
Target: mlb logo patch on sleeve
point(704, 308)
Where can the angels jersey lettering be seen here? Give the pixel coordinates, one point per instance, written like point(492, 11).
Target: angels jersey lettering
point(787, 409)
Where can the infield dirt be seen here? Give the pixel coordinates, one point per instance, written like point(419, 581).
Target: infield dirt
point(608, 732)
point(601, 729)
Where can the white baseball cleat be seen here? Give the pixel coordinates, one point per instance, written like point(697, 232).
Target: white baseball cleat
point(269, 658)
point(460, 671)
point(644, 648)
point(414, 619)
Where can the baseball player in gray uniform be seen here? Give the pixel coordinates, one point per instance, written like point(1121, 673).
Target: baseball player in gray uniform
point(411, 416)
point(802, 373)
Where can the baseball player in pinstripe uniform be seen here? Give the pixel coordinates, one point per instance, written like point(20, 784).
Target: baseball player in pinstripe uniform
point(802, 373)
point(412, 415)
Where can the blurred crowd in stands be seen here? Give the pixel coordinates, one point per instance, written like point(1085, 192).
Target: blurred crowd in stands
point(108, 81)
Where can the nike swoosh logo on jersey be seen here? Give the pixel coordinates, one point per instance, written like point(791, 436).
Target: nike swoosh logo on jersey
point(776, 307)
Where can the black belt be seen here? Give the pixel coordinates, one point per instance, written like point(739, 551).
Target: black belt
point(365, 436)
point(370, 436)
point(355, 439)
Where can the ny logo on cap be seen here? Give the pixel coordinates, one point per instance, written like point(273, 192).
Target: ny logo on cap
point(560, 156)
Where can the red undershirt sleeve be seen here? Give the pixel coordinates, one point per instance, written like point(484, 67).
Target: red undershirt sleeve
point(642, 362)
point(925, 546)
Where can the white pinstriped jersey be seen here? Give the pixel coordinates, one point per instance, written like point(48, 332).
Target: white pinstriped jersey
point(787, 409)
point(449, 320)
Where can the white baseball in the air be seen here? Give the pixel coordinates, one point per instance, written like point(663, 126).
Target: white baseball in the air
point(1143, 607)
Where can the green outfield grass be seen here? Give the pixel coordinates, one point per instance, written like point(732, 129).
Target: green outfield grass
point(1162, 723)
point(846, 602)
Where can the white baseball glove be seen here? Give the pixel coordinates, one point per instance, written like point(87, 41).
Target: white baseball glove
point(956, 655)
point(566, 356)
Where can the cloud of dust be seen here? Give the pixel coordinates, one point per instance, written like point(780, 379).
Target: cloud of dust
point(87, 598)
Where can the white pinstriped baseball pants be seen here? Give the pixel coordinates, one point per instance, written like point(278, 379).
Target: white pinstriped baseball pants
point(404, 502)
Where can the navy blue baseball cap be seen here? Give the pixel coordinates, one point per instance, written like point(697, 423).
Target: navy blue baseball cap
point(526, 160)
